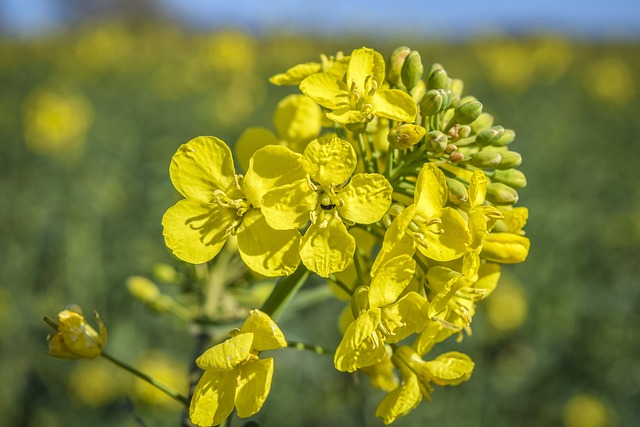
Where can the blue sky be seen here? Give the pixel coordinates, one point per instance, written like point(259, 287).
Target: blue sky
point(443, 17)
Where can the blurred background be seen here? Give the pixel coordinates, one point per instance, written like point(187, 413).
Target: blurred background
point(96, 96)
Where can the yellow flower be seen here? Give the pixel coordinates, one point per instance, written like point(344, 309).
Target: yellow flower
point(234, 375)
point(336, 66)
point(362, 96)
point(509, 247)
point(450, 368)
point(326, 192)
point(75, 338)
point(380, 319)
point(218, 203)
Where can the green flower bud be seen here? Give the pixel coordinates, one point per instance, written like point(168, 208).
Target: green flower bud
point(404, 136)
point(466, 113)
point(507, 138)
point(484, 121)
point(436, 141)
point(457, 191)
point(486, 159)
point(394, 65)
point(412, 70)
point(143, 289)
point(432, 102)
point(417, 92)
point(500, 227)
point(510, 159)
point(501, 194)
point(489, 136)
point(359, 127)
point(165, 273)
point(511, 177)
point(457, 86)
point(437, 78)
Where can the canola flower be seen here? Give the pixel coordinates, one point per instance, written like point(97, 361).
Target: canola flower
point(385, 181)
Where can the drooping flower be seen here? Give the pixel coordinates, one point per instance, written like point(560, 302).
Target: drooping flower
point(327, 193)
point(362, 96)
point(234, 374)
point(218, 203)
point(75, 338)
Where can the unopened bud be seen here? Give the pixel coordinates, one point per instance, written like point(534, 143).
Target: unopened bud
point(394, 65)
point(359, 127)
point(438, 78)
point(466, 113)
point(489, 136)
point(450, 148)
point(142, 289)
point(457, 86)
point(359, 300)
point(417, 92)
point(457, 192)
point(501, 194)
point(436, 141)
point(484, 121)
point(500, 227)
point(486, 159)
point(510, 159)
point(511, 177)
point(412, 70)
point(433, 102)
point(404, 136)
point(165, 273)
point(456, 157)
point(507, 138)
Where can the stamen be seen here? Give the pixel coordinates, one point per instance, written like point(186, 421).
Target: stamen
point(311, 185)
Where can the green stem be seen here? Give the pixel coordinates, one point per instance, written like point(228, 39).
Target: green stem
point(339, 283)
point(368, 164)
point(389, 171)
point(284, 290)
point(372, 150)
point(157, 384)
point(304, 346)
point(356, 263)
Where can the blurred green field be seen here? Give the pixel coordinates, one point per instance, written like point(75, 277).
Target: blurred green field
point(89, 120)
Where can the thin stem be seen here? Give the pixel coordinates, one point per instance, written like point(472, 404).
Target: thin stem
point(339, 283)
point(169, 391)
point(372, 150)
point(389, 171)
point(368, 164)
point(284, 290)
point(304, 346)
point(356, 263)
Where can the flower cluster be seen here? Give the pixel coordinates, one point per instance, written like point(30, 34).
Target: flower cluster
point(372, 150)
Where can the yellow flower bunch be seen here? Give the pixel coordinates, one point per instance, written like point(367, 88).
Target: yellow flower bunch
point(384, 181)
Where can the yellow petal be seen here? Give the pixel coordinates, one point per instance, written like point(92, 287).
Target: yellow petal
point(394, 104)
point(381, 375)
point(489, 276)
point(251, 140)
point(298, 118)
point(477, 188)
point(330, 160)
point(449, 241)
point(516, 219)
point(400, 401)
point(390, 280)
point(406, 317)
point(295, 74)
point(431, 191)
point(196, 231)
point(327, 250)
point(365, 62)
point(443, 283)
point(254, 384)
point(450, 368)
point(366, 198)
point(288, 207)
point(266, 334)
point(506, 248)
point(396, 240)
point(346, 115)
point(326, 90)
point(265, 250)
point(270, 167)
point(213, 398)
point(202, 166)
point(228, 354)
point(361, 344)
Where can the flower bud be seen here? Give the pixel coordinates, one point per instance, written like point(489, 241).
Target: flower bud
point(412, 70)
point(507, 138)
point(75, 338)
point(457, 86)
point(456, 157)
point(417, 92)
point(484, 121)
point(501, 194)
point(511, 177)
point(457, 191)
point(165, 273)
point(466, 113)
point(359, 300)
point(510, 159)
point(404, 136)
point(143, 289)
point(394, 65)
point(437, 78)
point(486, 159)
point(433, 102)
point(436, 141)
point(489, 136)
